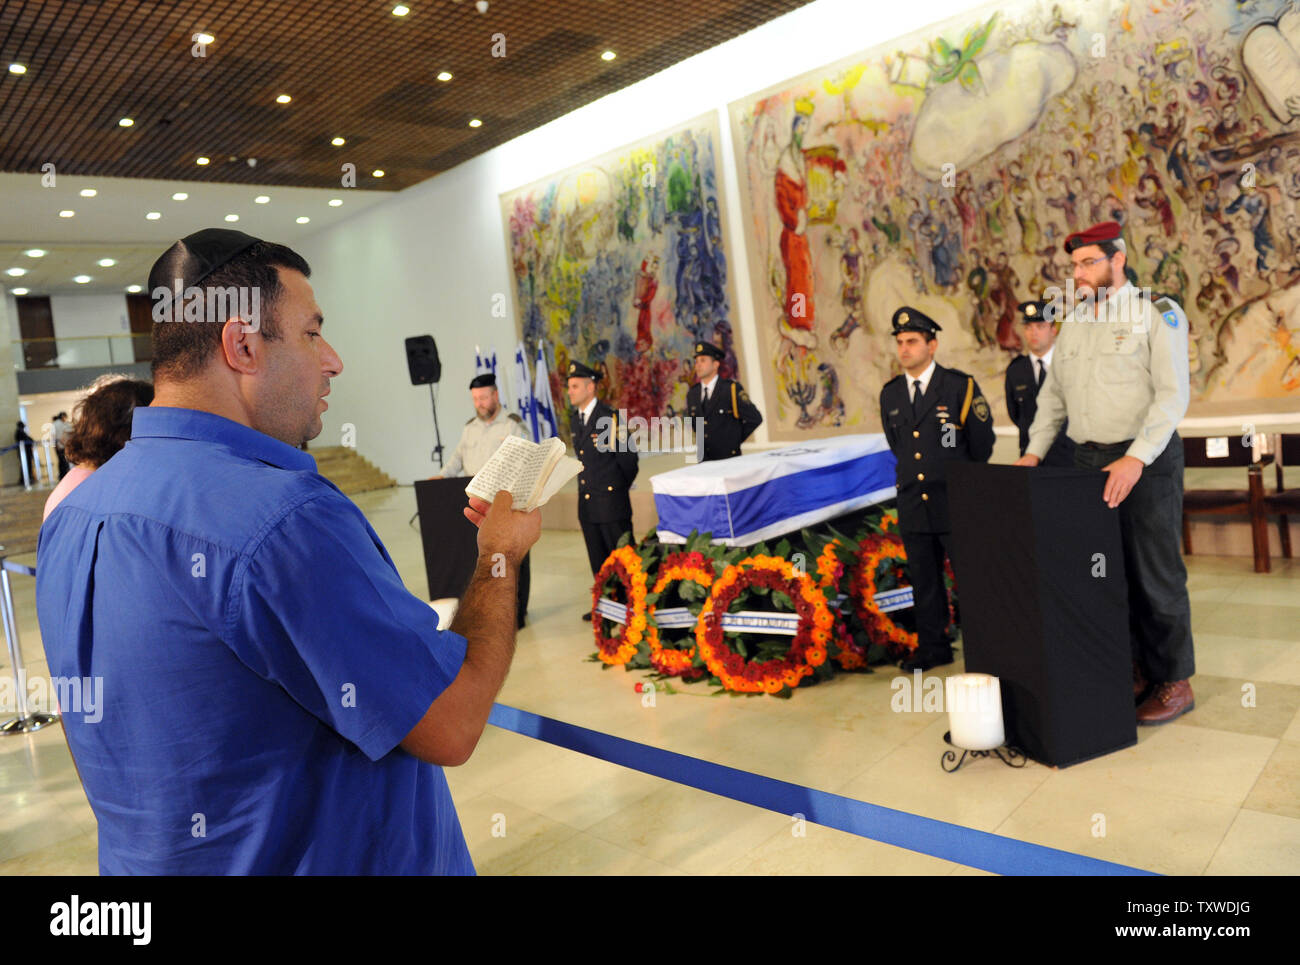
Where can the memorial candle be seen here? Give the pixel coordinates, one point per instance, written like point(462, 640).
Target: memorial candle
point(974, 711)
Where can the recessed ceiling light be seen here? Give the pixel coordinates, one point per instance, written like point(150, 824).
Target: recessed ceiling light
point(180, 196)
point(88, 192)
point(261, 199)
point(302, 219)
point(232, 217)
point(401, 10)
point(17, 68)
point(475, 122)
point(444, 75)
point(125, 121)
point(66, 213)
point(134, 289)
point(153, 215)
point(203, 160)
point(338, 142)
point(377, 172)
point(608, 55)
point(81, 279)
point(15, 272)
point(205, 38)
point(283, 99)
point(106, 263)
point(19, 291)
point(335, 202)
point(35, 252)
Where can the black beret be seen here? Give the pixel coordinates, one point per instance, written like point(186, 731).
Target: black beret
point(908, 319)
point(197, 256)
point(709, 349)
point(579, 371)
point(484, 380)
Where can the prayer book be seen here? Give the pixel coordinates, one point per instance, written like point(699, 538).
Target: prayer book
point(531, 472)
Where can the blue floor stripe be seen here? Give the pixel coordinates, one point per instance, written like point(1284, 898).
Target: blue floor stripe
point(952, 842)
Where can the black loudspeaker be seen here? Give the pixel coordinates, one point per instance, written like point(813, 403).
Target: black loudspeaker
point(422, 360)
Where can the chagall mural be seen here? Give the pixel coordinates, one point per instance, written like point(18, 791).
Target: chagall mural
point(620, 263)
point(944, 171)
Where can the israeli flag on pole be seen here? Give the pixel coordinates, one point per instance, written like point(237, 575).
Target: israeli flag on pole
point(521, 388)
point(544, 425)
point(479, 367)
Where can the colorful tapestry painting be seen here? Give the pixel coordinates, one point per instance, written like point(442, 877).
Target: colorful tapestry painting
point(620, 263)
point(944, 171)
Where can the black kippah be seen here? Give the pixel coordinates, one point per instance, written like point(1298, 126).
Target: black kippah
point(197, 256)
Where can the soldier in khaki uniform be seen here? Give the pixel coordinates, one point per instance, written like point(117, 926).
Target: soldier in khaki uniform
point(1120, 376)
point(483, 434)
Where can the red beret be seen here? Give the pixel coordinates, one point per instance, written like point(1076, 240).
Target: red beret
point(1106, 231)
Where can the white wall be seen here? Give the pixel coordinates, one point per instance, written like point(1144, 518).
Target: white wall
point(430, 260)
point(81, 321)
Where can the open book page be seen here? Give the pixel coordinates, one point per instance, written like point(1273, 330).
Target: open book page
point(523, 468)
point(1273, 62)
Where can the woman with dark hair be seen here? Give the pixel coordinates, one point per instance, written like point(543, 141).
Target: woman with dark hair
point(101, 426)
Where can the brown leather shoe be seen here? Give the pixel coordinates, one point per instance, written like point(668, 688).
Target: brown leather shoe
point(1167, 701)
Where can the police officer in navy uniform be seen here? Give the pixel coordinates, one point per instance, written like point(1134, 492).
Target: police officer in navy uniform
point(729, 417)
point(609, 465)
point(931, 415)
point(1026, 375)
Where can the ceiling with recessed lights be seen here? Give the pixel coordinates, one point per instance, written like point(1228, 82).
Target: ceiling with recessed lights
point(121, 88)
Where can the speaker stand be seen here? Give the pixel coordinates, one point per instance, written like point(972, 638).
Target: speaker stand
point(437, 440)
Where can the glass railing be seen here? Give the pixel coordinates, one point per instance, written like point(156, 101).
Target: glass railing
point(82, 351)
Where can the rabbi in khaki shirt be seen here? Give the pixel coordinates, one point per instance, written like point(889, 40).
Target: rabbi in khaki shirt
point(485, 432)
point(1121, 378)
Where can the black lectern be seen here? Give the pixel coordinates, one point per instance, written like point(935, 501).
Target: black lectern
point(1044, 605)
point(451, 541)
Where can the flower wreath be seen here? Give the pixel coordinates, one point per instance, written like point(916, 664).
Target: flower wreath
point(874, 550)
point(807, 649)
point(624, 565)
point(849, 654)
point(675, 661)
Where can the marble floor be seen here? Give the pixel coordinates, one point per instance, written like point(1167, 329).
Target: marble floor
point(1215, 792)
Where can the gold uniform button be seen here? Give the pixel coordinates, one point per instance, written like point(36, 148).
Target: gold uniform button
point(915, 434)
point(925, 497)
point(611, 488)
point(920, 476)
point(586, 495)
point(918, 455)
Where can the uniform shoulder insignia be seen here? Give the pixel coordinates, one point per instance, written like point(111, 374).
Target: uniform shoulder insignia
point(470, 420)
point(516, 418)
point(981, 408)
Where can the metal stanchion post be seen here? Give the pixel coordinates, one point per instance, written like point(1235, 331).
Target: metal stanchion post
point(24, 723)
point(23, 451)
point(49, 461)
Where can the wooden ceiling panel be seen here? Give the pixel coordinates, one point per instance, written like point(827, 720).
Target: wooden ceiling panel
point(352, 68)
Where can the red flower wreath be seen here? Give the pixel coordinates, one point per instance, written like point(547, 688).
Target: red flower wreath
point(808, 648)
point(625, 565)
point(874, 549)
point(674, 661)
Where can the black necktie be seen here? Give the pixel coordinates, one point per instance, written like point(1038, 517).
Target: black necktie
point(1042, 372)
point(916, 395)
point(706, 395)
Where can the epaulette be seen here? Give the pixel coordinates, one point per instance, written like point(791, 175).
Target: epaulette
point(470, 420)
point(515, 417)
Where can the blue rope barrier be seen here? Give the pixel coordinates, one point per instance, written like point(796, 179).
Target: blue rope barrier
point(951, 842)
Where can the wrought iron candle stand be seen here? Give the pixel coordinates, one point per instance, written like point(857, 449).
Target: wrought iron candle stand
point(1013, 758)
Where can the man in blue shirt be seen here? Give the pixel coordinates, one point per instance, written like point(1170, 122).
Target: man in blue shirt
point(274, 700)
